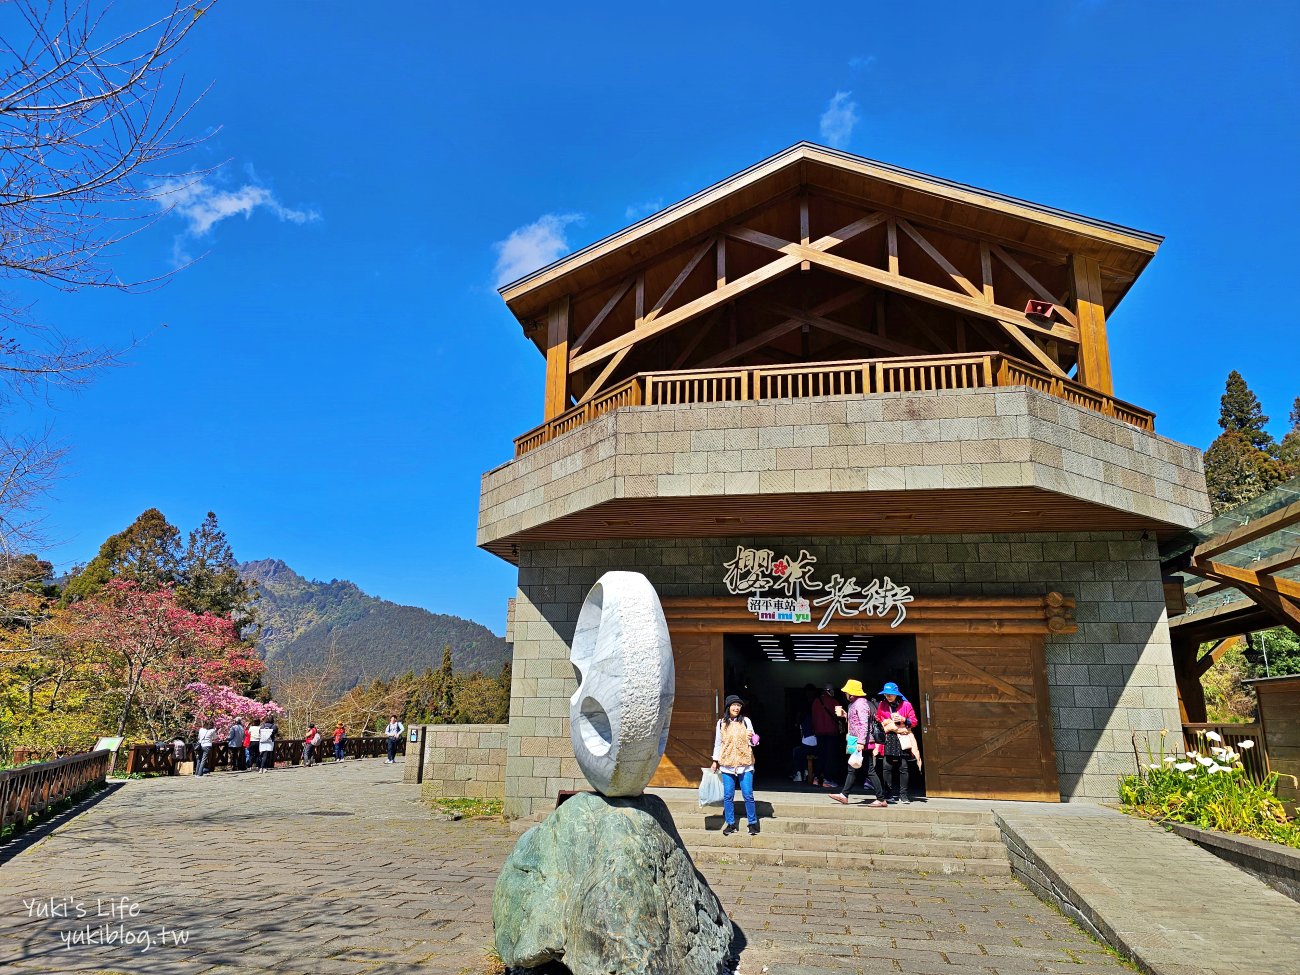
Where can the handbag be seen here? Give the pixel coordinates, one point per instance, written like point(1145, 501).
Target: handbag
point(710, 788)
point(892, 748)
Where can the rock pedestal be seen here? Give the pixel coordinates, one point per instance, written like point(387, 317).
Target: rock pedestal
point(603, 885)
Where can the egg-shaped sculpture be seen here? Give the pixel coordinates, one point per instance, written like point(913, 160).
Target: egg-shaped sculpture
point(618, 717)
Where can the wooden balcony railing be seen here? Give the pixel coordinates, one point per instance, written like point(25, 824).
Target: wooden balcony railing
point(858, 377)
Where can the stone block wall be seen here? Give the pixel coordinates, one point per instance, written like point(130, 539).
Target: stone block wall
point(462, 760)
point(1111, 678)
point(1011, 437)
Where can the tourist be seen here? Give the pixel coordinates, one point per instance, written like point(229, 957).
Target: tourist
point(733, 754)
point(804, 754)
point(863, 745)
point(266, 745)
point(235, 745)
point(339, 733)
point(827, 730)
point(394, 735)
point(309, 743)
point(253, 745)
point(896, 716)
point(206, 734)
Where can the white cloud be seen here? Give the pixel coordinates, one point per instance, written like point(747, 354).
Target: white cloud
point(839, 119)
point(203, 205)
point(638, 210)
point(862, 61)
point(532, 246)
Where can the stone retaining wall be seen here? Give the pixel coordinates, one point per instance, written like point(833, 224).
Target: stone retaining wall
point(461, 760)
point(1278, 866)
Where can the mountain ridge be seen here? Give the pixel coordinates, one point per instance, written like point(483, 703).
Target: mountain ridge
point(303, 619)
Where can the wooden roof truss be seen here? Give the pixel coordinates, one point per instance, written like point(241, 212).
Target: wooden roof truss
point(844, 277)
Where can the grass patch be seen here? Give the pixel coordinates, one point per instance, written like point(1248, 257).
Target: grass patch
point(468, 807)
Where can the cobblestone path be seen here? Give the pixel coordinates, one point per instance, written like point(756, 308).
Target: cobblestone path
point(336, 869)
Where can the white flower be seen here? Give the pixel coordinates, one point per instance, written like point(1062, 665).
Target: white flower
point(1219, 768)
point(1246, 744)
point(1207, 762)
point(1153, 768)
point(1171, 759)
point(1193, 755)
point(1213, 736)
point(1184, 766)
point(1216, 750)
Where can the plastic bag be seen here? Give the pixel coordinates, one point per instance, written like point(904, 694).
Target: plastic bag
point(710, 788)
point(855, 760)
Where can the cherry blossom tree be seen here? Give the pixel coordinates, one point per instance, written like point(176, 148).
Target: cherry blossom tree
point(144, 636)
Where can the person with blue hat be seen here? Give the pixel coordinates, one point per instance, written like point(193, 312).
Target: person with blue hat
point(896, 714)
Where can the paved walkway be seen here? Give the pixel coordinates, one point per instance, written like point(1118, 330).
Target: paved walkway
point(337, 869)
point(1177, 909)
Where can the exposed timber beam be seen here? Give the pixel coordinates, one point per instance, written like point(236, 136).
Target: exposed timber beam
point(594, 324)
point(949, 268)
point(904, 285)
point(858, 335)
point(1265, 525)
point(827, 307)
point(719, 296)
point(1030, 346)
point(1094, 350)
point(557, 355)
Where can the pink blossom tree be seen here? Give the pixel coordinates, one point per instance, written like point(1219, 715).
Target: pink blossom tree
point(146, 641)
point(224, 704)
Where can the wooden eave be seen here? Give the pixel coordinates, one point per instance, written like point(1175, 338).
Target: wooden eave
point(1028, 227)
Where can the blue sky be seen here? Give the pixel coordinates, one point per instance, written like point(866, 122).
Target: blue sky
point(338, 370)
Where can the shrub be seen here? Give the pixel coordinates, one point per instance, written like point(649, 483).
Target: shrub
point(1208, 787)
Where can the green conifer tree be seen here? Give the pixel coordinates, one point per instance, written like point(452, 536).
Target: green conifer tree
point(1288, 451)
point(1239, 411)
point(1242, 462)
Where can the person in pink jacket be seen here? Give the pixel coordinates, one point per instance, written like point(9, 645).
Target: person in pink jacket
point(860, 742)
point(895, 713)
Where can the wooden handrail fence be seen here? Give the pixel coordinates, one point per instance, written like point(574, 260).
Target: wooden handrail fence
point(29, 790)
point(161, 759)
point(857, 377)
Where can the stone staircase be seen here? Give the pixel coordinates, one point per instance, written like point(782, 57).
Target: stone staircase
point(813, 831)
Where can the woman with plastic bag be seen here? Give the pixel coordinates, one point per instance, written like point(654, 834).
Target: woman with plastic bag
point(733, 754)
point(863, 744)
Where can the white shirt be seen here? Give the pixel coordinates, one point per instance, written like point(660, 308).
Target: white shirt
point(205, 737)
point(394, 729)
point(265, 733)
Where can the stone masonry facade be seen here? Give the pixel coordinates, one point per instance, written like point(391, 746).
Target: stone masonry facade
point(1012, 437)
point(1111, 678)
point(461, 760)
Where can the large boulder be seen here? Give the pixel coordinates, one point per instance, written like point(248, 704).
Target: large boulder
point(604, 886)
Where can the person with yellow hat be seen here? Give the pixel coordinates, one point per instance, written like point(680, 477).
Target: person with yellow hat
point(862, 748)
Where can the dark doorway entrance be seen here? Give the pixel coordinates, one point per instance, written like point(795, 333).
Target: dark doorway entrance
point(772, 671)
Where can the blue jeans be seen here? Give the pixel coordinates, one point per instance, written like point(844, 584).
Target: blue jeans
point(729, 782)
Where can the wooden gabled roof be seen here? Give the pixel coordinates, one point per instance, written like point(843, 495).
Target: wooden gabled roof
point(1121, 252)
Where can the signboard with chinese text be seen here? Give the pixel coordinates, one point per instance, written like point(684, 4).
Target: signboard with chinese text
point(756, 571)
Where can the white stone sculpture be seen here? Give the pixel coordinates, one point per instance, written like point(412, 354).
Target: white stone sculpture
point(618, 717)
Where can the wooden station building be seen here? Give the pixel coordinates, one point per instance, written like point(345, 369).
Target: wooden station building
point(851, 421)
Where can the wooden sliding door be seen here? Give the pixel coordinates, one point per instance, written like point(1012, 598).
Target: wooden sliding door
point(985, 711)
point(697, 658)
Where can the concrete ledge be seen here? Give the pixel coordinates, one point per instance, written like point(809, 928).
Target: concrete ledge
point(1047, 885)
point(1159, 901)
point(1278, 866)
